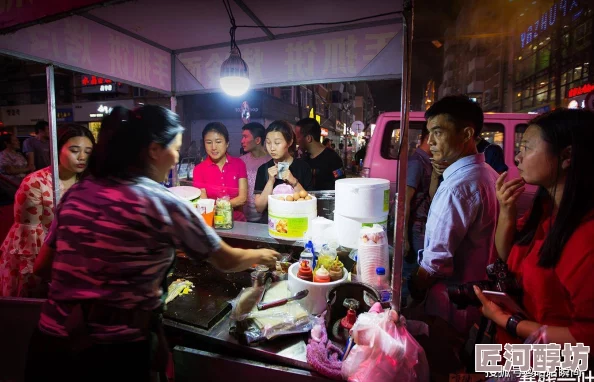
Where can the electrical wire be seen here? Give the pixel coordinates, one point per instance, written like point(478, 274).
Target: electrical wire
point(233, 26)
point(316, 24)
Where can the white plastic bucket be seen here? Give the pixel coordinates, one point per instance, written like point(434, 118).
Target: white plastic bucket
point(315, 301)
point(362, 198)
point(348, 229)
point(290, 220)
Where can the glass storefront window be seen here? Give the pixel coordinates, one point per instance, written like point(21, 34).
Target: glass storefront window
point(542, 97)
point(544, 58)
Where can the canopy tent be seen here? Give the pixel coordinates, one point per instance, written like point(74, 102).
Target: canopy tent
point(176, 47)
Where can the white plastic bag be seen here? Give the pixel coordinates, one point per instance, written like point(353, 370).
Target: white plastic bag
point(384, 352)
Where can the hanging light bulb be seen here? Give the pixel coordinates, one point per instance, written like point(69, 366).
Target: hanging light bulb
point(235, 76)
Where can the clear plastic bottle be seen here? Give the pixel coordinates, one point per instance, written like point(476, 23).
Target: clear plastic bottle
point(326, 257)
point(307, 256)
point(382, 284)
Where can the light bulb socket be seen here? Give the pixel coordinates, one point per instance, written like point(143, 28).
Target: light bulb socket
point(234, 66)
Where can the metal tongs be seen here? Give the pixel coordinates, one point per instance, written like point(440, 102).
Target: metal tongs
point(263, 306)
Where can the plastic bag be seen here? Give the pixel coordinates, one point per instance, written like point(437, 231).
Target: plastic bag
point(253, 325)
point(384, 351)
point(223, 218)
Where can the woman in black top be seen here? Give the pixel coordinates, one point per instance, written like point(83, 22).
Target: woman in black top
point(280, 141)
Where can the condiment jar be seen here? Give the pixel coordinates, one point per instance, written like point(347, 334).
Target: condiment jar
point(305, 272)
point(335, 274)
point(321, 276)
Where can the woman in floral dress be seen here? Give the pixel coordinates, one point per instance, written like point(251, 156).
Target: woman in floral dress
point(13, 165)
point(34, 212)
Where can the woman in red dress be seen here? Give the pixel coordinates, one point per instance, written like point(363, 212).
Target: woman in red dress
point(34, 212)
point(550, 250)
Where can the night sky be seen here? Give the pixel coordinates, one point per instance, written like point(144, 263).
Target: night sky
point(432, 18)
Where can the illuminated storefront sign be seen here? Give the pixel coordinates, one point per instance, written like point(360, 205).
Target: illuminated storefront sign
point(94, 80)
point(64, 115)
point(317, 117)
point(94, 84)
point(324, 132)
point(580, 90)
point(23, 115)
point(574, 104)
point(549, 18)
point(95, 111)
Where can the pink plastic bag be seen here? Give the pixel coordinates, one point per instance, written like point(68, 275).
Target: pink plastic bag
point(384, 352)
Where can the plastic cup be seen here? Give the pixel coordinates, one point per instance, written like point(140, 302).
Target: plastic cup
point(206, 207)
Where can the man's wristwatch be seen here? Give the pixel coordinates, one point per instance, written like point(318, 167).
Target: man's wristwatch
point(512, 324)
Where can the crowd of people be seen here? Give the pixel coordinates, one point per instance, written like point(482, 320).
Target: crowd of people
point(251, 178)
point(461, 216)
point(101, 256)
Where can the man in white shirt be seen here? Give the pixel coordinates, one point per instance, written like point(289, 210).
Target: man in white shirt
point(252, 142)
point(460, 230)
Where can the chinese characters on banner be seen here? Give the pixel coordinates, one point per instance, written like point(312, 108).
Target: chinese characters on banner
point(557, 363)
point(81, 43)
point(337, 55)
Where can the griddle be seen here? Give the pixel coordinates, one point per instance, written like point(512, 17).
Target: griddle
point(208, 301)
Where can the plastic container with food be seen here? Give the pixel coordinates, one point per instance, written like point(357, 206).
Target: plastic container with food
point(289, 215)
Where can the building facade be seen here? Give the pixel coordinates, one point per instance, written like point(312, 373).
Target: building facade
point(520, 55)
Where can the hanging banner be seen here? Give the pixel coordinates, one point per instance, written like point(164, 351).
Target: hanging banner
point(82, 44)
point(367, 53)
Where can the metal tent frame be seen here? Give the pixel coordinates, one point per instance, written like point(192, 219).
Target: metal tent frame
point(169, 29)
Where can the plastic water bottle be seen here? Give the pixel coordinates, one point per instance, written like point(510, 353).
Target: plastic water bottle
point(382, 284)
point(306, 256)
point(309, 253)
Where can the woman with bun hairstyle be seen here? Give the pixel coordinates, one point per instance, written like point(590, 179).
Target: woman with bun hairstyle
point(112, 242)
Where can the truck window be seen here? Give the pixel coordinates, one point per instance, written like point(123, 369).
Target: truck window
point(519, 133)
point(493, 133)
point(391, 138)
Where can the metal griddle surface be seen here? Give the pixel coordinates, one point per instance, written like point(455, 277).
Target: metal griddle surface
point(208, 301)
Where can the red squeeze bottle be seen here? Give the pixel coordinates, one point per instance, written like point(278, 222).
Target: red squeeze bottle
point(305, 272)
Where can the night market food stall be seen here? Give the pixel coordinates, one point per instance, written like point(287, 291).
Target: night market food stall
point(183, 48)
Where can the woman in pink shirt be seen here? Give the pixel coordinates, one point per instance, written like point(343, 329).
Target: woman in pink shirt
point(220, 174)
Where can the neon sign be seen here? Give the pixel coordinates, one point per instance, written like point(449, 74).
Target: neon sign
point(104, 109)
point(549, 18)
point(94, 80)
point(580, 90)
